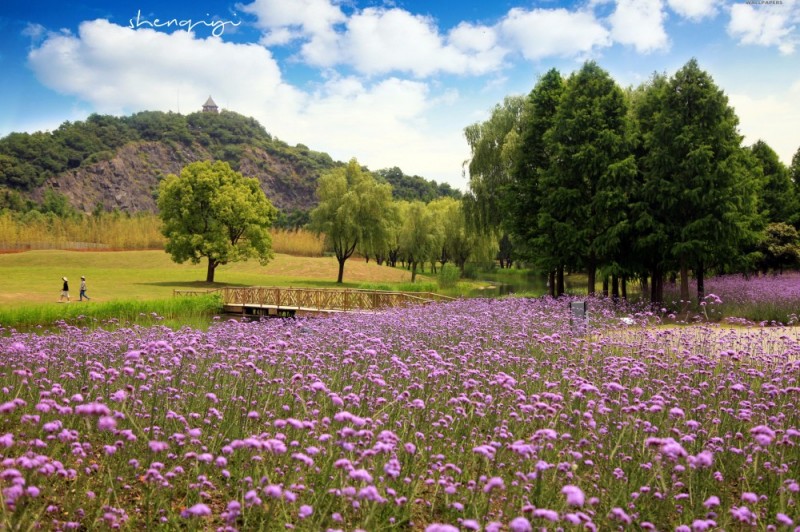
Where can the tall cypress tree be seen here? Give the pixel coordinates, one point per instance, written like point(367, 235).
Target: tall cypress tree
point(776, 191)
point(590, 171)
point(650, 235)
point(794, 173)
point(535, 239)
point(696, 177)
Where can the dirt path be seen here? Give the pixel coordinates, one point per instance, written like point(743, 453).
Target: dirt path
point(713, 338)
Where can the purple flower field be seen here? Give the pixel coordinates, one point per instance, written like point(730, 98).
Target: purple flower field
point(763, 299)
point(470, 415)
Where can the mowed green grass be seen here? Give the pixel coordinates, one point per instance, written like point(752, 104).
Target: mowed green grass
point(34, 277)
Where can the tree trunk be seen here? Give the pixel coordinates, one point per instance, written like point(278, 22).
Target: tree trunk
point(591, 272)
point(551, 283)
point(212, 265)
point(701, 285)
point(656, 286)
point(605, 285)
point(653, 294)
point(624, 287)
point(413, 271)
point(684, 284)
point(560, 281)
point(614, 286)
point(341, 270)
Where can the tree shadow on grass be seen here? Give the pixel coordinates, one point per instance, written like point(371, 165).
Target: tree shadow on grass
point(187, 285)
point(202, 285)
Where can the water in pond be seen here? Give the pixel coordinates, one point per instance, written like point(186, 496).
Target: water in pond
point(502, 283)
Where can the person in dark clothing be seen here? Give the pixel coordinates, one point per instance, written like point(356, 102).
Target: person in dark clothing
point(64, 290)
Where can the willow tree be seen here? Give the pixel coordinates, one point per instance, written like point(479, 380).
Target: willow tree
point(494, 144)
point(214, 212)
point(353, 211)
point(419, 235)
point(458, 240)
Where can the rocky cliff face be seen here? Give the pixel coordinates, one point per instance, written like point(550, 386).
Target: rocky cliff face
point(129, 181)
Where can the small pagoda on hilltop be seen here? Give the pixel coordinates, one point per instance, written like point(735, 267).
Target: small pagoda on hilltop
point(210, 106)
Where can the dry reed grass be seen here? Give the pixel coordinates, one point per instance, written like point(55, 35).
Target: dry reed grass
point(119, 232)
point(88, 232)
point(298, 242)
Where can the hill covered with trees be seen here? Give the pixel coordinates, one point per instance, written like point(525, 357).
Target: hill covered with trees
point(116, 163)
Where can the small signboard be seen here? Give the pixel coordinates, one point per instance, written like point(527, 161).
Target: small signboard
point(579, 316)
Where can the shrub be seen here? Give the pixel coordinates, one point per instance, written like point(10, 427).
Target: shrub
point(448, 276)
point(471, 270)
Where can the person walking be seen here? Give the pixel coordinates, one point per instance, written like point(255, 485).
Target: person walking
point(83, 289)
point(64, 290)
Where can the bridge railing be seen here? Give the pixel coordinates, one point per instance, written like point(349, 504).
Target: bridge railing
point(180, 293)
point(323, 298)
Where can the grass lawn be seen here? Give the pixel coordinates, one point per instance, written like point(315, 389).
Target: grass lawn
point(34, 277)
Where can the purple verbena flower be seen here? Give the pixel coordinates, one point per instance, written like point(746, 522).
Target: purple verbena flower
point(198, 510)
point(574, 494)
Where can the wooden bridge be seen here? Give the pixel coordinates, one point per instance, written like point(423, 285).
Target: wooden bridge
point(286, 302)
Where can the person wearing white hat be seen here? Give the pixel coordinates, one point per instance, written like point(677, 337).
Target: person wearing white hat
point(64, 290)
point(83, 289)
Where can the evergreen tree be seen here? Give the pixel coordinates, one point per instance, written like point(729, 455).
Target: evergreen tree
point(794, 174)
point(530, 227)
point(591, 170)
point(650, 239)
point(776, 198)
point(696, 177)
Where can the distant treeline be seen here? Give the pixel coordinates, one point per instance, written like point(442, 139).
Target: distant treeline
point(413, 188)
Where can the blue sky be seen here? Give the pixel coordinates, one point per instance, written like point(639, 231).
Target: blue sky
point(391, 83)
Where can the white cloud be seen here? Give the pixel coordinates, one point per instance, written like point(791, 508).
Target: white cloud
point(376, 41)
point(694, 10)
point(542, 33)
point(640, 23)
point(313, 21)
point(379, 41)
point(772, 118)
point(480, 44)
point(120, 70)
point(766, 25)
point(34, 31)
point(385, 124)
point(279, 37)
point(310, 17)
